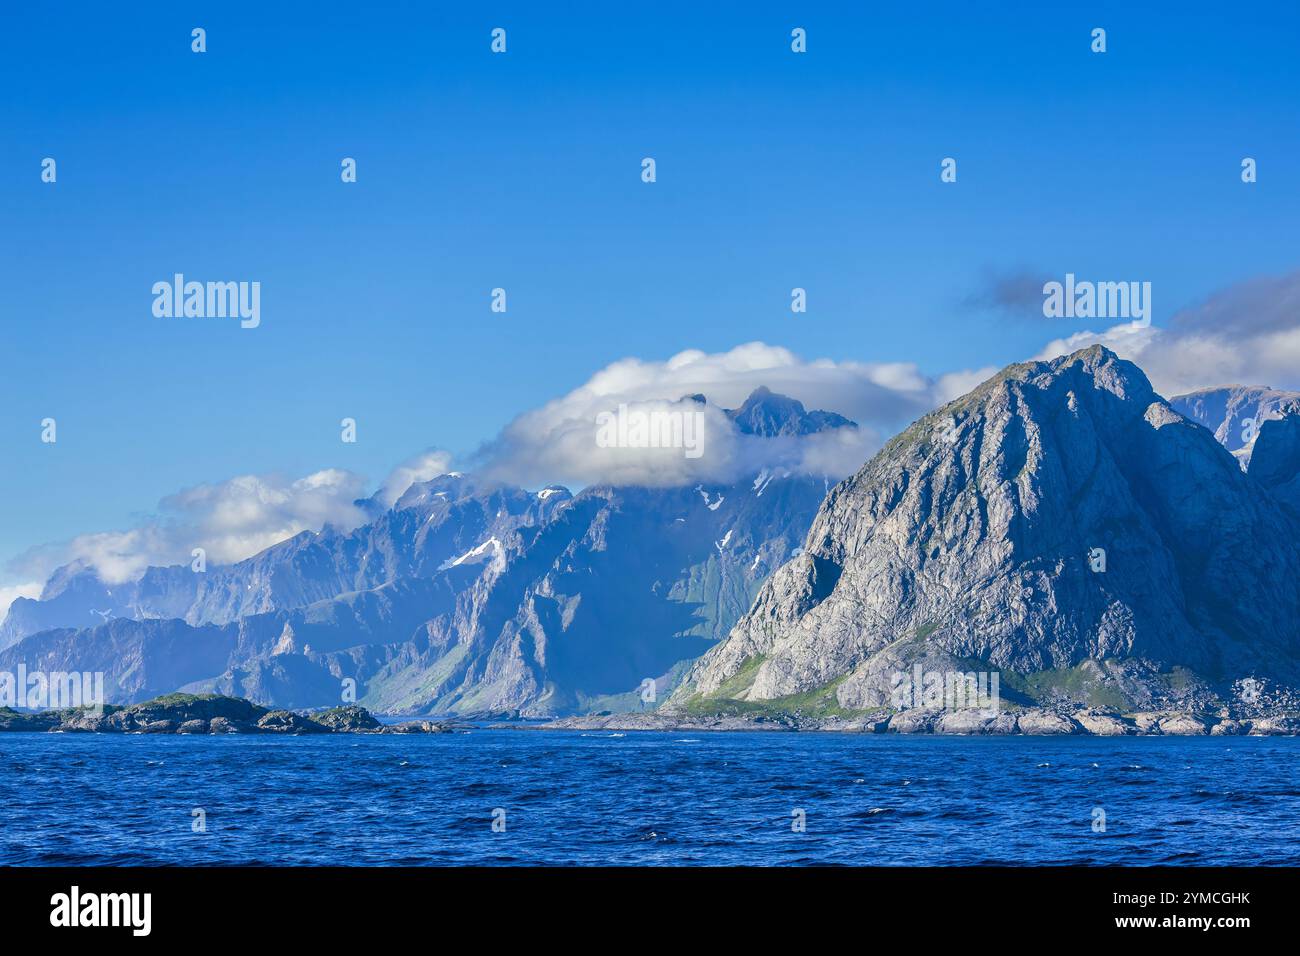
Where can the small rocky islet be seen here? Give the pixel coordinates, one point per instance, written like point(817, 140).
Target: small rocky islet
point(209, 714)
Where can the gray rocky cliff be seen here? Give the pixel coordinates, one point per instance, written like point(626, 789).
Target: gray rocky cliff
point(966, 542)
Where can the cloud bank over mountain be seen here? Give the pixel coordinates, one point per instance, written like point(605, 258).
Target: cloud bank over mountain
point(230, 520)
point(1246, 334)
point(422, 467)
point(557, 442)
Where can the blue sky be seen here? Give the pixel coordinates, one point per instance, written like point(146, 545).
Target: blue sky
point(775, 170)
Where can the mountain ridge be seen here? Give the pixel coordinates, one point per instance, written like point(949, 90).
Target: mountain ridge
point(964, 543)
point(531, 584)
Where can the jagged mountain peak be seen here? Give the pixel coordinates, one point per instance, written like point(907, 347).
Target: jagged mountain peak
point(1094, 381)
point(768, 414)
point(75, 574)
point(1096, 367)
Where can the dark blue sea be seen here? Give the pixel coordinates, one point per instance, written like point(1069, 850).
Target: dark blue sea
point(647, 798)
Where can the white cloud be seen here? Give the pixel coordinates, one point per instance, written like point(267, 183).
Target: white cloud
point(557, 442)
point(956, 384)
point(32, 589)
point(422, 467)
point(231, 520)
point(1247, 334)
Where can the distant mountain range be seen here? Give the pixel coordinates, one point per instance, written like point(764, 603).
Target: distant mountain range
point(1235, 413)
point(1062, 524)
point(465, 596)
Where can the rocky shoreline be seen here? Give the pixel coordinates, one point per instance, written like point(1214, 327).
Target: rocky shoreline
point(215, 714)
point(1029, 721)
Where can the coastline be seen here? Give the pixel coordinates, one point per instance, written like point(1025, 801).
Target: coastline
point(213, 714)
point(1026, 722)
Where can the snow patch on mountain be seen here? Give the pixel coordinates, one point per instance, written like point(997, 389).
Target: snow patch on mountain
point(708, 500)
point(489, 550)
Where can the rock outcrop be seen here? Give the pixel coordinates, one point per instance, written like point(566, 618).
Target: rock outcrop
point(204, 714)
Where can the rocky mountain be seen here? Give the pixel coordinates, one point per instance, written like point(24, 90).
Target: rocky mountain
point(1063, 526)
point(1235, 413)
point(1275, 462)
point(462, 597)
point(770, 415)
point(1259, 425)
point(434, 522)
point(74, 596)
point(627, 585)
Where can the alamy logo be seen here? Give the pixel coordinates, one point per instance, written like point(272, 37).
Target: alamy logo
point(209, 300)
point(103, 909)
point(947, 690)
point(660, 428)
point(1249, 691)
point(57, 690)
point(1097, 300)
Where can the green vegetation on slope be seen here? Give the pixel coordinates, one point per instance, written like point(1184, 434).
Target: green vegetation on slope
point(724, 702)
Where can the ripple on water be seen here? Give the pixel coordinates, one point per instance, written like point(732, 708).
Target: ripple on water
point(646, 798)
